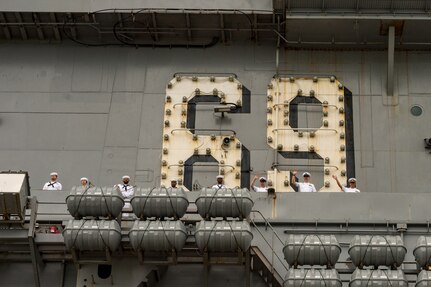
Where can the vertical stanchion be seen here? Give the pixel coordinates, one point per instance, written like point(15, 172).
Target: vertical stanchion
point(247, 268)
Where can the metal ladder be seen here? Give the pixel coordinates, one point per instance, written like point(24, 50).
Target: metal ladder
point(260, 263)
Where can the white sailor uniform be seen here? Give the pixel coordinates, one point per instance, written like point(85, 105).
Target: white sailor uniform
point(259, 189)
point(52, 185)
point(127, 191)
point(218, 186)
point(305, 187)
point(348, 189)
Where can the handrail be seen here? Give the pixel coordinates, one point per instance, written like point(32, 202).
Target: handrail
point(268, 224)
point(270, 245)
point(204, 130)
point(308, 165)
point(197, 165)
point(304, 129)
point(267, 265)
point(188, 74)
point(308, 104)
point(272, 249)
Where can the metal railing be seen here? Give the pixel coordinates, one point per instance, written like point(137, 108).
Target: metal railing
point(274, 236)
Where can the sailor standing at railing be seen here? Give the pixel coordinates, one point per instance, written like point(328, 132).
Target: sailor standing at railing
point(174, 183)
point(53, 184)
point(85, 183)
point(127, 192)
point(306, 185)
point(220, 182)
point(126, 189)
point(350, 188)
point(262, 184)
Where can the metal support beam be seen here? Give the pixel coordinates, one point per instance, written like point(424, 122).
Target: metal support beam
point(35, 255)
point(206, 267)
point(279, 7)
point(38, 27)
point(35, 258)
point(21, 27)
point(256, 35)
point(355, 16)
point(223, 34)
point(156, 34)
point(247, 268)
point(94, 21)
point(63, 272)
point(72, 28)
point(55, 27)
point(5, 28)
point(189, 32)
point(120, 21)
point(391, 55)
point(277, 57)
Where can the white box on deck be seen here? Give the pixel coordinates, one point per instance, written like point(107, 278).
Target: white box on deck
point(13, 193)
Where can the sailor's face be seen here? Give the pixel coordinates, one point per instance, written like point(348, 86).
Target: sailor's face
point(83, 182)
point(53, 178)
point(352, 184)
point(220, 180)
point(262, 183)
point(306, 178)
point(125, 180)
point(173, 184)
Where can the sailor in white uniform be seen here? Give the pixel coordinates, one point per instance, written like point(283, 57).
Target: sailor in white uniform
point(220, 182)
point(85, 183)
point(126, 189)
point(174, 183)
point(53, 184)
point(305, 186)
point(352, 185)
point(262, 186)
